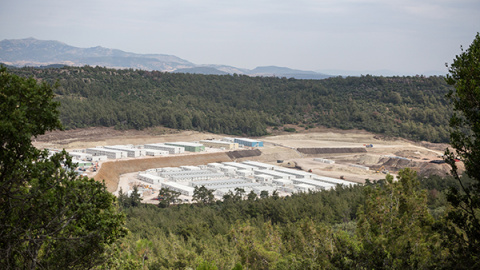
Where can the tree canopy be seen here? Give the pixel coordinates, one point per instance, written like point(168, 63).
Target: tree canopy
point(465, 139)
point(409, 107)
point(50, 218)
point(203, 195)
point(396, 228)
point(383, 225)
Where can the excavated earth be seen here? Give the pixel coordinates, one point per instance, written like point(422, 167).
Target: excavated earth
point(296, 150)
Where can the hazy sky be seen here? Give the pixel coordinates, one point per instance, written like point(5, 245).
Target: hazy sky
point(408, 36)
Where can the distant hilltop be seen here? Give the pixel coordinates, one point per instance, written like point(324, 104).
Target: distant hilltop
point(37, 53)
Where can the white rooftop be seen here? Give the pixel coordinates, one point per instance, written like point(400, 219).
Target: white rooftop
point(179, 186)
point(247, 140)
point(333, 180)
point(186, 143)
point(216, 141)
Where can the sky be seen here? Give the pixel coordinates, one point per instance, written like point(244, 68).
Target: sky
point(406, 37)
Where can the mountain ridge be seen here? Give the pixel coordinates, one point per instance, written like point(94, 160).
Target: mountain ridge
point(35, 52)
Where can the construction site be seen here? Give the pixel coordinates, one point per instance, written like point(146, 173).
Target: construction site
point(351, 156)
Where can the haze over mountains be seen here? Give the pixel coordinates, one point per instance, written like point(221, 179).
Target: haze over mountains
point(34, 52)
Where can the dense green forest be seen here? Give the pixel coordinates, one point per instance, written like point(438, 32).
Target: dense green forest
point(383, 225)
point(410, 107)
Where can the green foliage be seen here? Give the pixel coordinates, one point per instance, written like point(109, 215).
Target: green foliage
point(289, 129)
point(464, 235)
point(237, 266)
point(143, 248)
point(49, 217)
point(252, 196)
point(126, 201)
point(395, 227)
point(205, 265)
point(26, 110)
point(410, 107)
point(135, 197)
point(321, 230)
point(167, 196)
point(203, 195)
point(188, 234)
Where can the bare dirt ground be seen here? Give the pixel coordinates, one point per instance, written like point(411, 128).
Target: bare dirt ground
point(100, 136)
point(280, 149)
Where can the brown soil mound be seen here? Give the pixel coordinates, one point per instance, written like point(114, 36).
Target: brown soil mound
point(434, 169)
point(398, 163)
point(423, 168)
point(111, 171)
point(244, 153)
point(319, 151)
point(368, 160)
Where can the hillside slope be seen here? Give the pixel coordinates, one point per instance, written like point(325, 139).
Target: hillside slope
point(410, 107)
point(34, 52)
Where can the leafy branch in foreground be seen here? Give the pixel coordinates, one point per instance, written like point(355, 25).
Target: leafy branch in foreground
point(50, 218)
point(464, 235)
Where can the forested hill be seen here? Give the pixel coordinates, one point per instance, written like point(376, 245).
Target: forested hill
point(410, 107)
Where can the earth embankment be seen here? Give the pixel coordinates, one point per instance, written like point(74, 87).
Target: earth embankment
point(111, 171)
point(244, 153)
point(331, 150)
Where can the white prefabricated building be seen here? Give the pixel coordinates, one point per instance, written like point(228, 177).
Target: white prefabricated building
point(305, 187)
point(80, 155)
point(232, 187)
point(260, 165)
point(316, 184)
point(275, 174)
point(223, 182)
point(190, 168)
point(131, 152)
point(155, 153)
point(220, 144)
point(240, 166)
point(182, 172)
point(97, 158)
point(112, 154)
point(282, 182)
point(245, 173)
point(195, 177)
point(228, 169)
point(170, 148)
point(188, 146)
point(149, 178)
point(183, 189)
point(263, 178)
point(295, 173)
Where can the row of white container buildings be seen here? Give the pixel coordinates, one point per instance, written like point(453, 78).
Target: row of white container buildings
point(158, 149)
point(248, 175)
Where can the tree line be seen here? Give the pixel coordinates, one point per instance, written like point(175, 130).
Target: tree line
point(409, 107)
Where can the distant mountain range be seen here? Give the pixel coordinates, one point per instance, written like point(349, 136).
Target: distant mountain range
point(37, 53)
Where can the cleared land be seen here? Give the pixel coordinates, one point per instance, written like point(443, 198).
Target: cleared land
point(346, 148)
